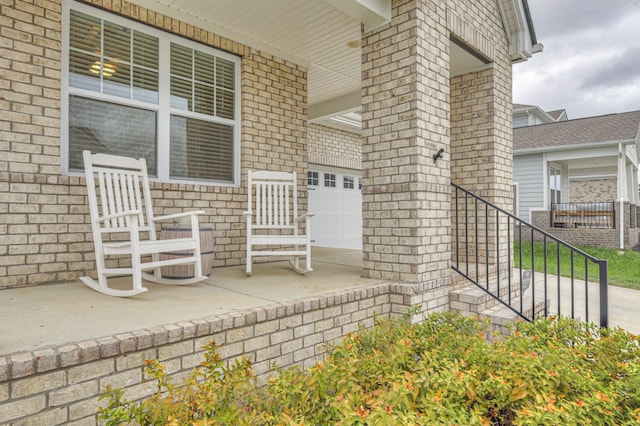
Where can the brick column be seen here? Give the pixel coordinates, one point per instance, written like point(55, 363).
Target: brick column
point(405, 118)
point(481, 159)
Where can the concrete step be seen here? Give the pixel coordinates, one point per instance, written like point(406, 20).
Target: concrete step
point(473, 299)
point(500, 316)
point(469, 299)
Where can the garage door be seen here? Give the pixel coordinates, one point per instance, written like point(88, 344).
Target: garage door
point(336, 200)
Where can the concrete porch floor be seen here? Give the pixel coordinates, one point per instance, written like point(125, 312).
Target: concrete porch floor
point(33, 318)
point(49, 315)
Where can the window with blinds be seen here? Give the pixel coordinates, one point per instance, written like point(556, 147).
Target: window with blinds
point(116, 86)
point(202, 84)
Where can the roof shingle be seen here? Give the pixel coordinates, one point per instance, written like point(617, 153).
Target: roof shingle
point(604, 128)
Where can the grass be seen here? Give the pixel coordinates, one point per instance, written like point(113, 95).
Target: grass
point(624, 266)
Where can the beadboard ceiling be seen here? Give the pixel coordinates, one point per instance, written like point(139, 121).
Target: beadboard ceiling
point(312, 33)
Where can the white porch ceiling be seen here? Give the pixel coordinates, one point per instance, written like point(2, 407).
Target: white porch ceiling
point(311, 33)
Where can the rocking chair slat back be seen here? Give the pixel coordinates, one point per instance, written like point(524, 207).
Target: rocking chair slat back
point(121, 191)
point(273, 200)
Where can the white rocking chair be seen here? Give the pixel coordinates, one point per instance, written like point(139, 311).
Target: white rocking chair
point(272, 219)
point(121, 210)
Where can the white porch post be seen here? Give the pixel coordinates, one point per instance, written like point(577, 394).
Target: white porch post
point(622, 172)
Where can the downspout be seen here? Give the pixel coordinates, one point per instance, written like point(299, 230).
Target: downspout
point(622, 185)
point(621, 223)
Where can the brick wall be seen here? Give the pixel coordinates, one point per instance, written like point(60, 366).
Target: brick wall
point(481, 134)
point(62, 384)
point(45, 233)
point(593, 190)
point(334, 148)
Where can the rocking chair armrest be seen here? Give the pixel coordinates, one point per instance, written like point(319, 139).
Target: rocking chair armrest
point(133, 213)
point(178, 215)
point(304, 216)
point(247, 214)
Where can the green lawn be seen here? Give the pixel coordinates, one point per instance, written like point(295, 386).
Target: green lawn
point(624, 266)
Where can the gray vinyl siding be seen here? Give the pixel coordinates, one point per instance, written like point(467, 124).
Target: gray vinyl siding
point(520, 121)
point(528, 174)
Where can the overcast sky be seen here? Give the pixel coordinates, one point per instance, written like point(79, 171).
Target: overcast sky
point(591, 59)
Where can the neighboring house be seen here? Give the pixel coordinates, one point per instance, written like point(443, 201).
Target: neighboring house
point(530, 115)
point(574, 168)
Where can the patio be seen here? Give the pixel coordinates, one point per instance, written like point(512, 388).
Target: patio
point(64, 313)
point(57, 314)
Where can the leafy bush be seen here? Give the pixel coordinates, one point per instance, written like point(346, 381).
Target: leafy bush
point(442, 371)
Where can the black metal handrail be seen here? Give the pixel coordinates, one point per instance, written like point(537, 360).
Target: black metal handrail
point(486, 232)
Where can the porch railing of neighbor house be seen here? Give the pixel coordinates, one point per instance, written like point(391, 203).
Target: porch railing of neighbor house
point(583, 215)
point(489, 241)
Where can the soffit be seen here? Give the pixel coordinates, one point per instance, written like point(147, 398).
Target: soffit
point(311, 33)
point(308, 32)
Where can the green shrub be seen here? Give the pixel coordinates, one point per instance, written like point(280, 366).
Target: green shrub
point(442, 371)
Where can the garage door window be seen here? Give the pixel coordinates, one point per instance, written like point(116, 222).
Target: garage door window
point(347, 182)
point(330, 180)
point(312, 179)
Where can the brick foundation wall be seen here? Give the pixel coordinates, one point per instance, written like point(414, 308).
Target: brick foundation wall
point(62, 384)
point(45, 233)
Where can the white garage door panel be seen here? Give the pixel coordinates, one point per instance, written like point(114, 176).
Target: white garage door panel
point(338, 216)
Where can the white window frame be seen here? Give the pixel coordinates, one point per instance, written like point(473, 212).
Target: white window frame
point(554, 177)
point(163, 109)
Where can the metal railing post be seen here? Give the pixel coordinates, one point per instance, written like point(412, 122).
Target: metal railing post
point(604, 292)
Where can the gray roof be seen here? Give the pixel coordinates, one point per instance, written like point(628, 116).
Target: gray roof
point(604, 128)
point(556, 114)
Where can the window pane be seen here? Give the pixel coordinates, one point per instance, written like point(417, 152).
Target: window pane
point(84, 71)
point(181, 94)
point(145, 71)
point(201, 150)
point(224, 104)
point(145, 85)
point(204, 99)
point(85, 32)
point(117, 81)
point(181, 61)
point(110, 128)
point(117, 42)
point(205, 67)
point(225, 74)
point(84, 52)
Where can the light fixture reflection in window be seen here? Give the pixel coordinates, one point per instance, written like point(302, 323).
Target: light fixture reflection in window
point(107, 69)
